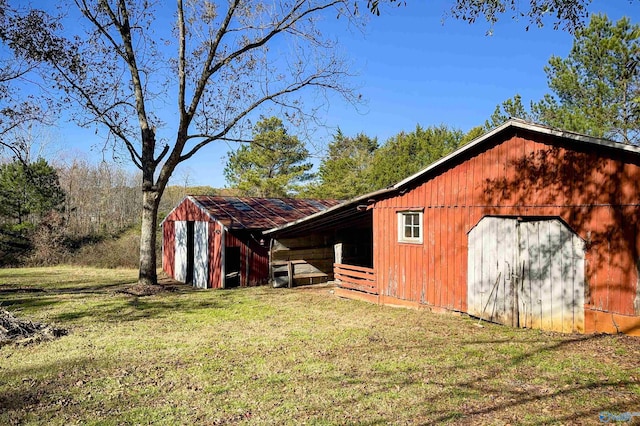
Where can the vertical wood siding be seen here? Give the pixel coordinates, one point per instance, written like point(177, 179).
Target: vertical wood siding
point(215, 255)
point(168, 251)
point(254, 259)
point(595, 193)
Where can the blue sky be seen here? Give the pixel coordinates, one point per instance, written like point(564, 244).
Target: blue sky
point(414, 68)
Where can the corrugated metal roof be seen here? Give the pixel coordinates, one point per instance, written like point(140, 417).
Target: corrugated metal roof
point(259, 213)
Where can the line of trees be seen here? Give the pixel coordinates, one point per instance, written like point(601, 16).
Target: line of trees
point(279, 165)
point(51, 212)
point(47, 210)
point(100, 199)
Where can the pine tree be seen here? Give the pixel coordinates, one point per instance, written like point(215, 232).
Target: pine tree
point(272, 166)
point(596, 88)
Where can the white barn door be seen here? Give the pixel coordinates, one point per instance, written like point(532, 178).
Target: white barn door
point(180, 269)
point(492, 258)
point(526, 274)
point(552, 293)
point(201, 254)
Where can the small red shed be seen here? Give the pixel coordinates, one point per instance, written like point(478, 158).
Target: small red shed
point(217, 242)
point(527, 226)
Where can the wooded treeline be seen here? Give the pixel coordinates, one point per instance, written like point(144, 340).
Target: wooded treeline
point(52, 213)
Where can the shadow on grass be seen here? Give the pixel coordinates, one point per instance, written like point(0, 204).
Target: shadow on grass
point(20, 399)
point(16, 289)
point(9, 289)
point(134, 309)
point(61, 392)
point(29, 302)
point(489, 390)
point(33, 386)
point(83, 294)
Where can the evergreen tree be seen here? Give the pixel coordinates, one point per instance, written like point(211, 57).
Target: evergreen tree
point(408, 153)
point(272, 166)
point(28, 193)
point(343, 172)
point(511, 108)
point(472, 134)
point(596, 88)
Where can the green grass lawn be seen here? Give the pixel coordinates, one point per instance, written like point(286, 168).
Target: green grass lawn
point(290, 356)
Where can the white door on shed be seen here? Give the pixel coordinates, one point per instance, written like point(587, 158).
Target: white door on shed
point(201, 254)
point(527, 273)
point(180, 269)
point(492, 258)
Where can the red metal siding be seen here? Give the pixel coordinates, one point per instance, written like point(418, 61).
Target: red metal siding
point(254, 260)
point(596, 193)
point(186, 211)
point(215, 254)
point(254, 257)
point(239, 216)
point(168, 248)
point(189, 212)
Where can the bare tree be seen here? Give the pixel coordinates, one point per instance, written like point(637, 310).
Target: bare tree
point(100, 198)
point(229, 60)
point(20, 109)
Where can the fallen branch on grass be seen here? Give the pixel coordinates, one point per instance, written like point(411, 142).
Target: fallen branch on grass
point(21, 331)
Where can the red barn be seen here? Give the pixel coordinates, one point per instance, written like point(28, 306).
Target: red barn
point(217, 242)
point(527, 226)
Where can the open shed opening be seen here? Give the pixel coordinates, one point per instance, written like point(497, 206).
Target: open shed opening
point(190, 251)
point(307, 254)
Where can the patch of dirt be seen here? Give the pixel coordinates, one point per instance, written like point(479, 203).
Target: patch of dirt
point(140, 290)
point(24, 332)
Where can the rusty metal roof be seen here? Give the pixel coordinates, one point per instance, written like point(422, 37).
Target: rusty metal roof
point(259, 213)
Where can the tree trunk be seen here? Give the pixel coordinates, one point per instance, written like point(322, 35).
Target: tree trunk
point(150, 201)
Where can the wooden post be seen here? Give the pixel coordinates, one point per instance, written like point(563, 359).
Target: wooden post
point(290, 273)
point(337, 253)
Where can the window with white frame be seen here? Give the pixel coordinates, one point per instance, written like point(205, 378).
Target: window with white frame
point(410, 227)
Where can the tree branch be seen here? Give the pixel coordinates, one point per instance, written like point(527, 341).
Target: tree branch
point(86, 11)
point(278, 28)
point(182, 73)
point(205, 74)
point(315, 80)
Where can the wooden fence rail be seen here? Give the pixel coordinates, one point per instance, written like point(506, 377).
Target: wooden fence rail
point(355, 278)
